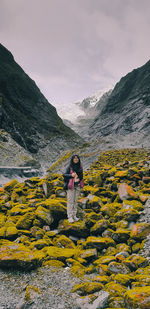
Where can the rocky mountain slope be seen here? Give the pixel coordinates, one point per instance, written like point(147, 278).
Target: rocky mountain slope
point(122, 115)
point(103, 260)
point(128, 107)
point(25, 114)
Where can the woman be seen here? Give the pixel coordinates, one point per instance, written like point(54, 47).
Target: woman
point(73, 178)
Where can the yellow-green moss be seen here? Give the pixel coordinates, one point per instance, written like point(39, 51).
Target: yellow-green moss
point(2, 219)
point(59, 253)
point(101, 279)
point(10, 185)
point(64, 242)
point(123, 279)
point(139, 231)
point(99, 242)
point(133, 204)
point(87, 288)
point(43, 215)
point(111, 209)
point(31, 292)
point(115, 289)
point(135, 261)
point(53, 263)
point(138, 298)
point(25, 221)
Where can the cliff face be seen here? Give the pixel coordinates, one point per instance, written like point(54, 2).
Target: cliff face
point(25, 114)
point(128, 107)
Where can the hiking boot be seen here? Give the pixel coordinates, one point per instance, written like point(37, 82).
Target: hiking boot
point(71, 220)
point(75, 218)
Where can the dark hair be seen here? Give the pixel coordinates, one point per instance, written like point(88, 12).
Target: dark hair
point(75, 166)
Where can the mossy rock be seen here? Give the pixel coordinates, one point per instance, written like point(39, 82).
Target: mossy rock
point(139, 231)
point(110, 251)
point(59, 253)
point(136, 247)
point(137, 284)
point(11, 232)
point(2, 219)
point(111, 209)
point(133, 204)
point(127, 214)
point(91, 218)
point(121, 174)
point(94, 202)
point(20, 210)
point(95, 178)
point(115, 289)
point(89, 255)
point(40, 244)
point(63, 242)
point(17, 256)
point(117, 268)
point(135, 261)
point(123, 248)
point(77, 269)
point(2, 232)
point(90, 190)
point(10, 185)
point(99, 227)
point(102, 279)
point(104, 260)
point(31, 293)
point(53, 263)
point(123, 279)
point(143, 271)
point(138, 298)
point(87, 288)
point(99, 242)
point(121, 235)
point(123, 224)
point(143, 278)
point(77, 229)
point(116, 303)
point(25, 221)
point(56, 208)
point(44, 215)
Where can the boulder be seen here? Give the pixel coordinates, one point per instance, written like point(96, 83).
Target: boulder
point(138, 298)
point(117, 268)
point(135, 261)
point(25, 221)
point(17, 256)
point(126, 192)
point(115, 289)
point(59, 253)
point(44, 215)
point(77, 229)
point(99, 227)
point(99, 242)
point(139, 231)
point(87, 288)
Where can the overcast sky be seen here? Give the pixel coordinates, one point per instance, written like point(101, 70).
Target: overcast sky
point(73, 48)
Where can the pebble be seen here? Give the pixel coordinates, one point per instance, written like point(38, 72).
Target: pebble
point(54, 286)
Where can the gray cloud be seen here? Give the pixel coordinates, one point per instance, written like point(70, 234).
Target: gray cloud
point(74, 48)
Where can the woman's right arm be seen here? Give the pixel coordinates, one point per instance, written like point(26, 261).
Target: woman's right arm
point(67, 174)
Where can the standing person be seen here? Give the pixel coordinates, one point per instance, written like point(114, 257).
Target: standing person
point(73, 178)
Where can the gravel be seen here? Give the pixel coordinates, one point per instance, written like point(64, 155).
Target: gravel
point(145, 217)
point(54, 286)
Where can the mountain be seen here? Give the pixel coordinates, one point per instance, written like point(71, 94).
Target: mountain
point(26, 116)
point(127, 110)
point(87, 111)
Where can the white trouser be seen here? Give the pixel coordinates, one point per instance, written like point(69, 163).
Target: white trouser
point(72, 196)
